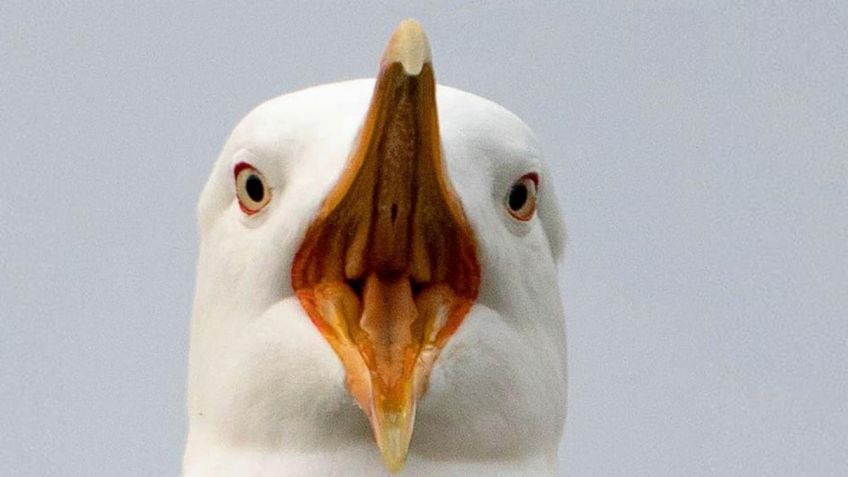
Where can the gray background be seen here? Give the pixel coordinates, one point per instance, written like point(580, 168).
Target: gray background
point(701, 155)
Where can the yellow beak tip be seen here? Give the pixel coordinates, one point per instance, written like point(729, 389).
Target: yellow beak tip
point(393, 435)
point(409, 47)
point(394, 463)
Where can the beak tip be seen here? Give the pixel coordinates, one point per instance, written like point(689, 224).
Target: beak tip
point(394, 433)
point(394, 464)
point(409, 47)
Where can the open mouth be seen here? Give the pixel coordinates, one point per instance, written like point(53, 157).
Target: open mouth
point(388, 269)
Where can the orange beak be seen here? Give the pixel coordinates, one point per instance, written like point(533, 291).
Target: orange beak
point(388, 269)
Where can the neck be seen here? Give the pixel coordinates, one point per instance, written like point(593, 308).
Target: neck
point(208, 457)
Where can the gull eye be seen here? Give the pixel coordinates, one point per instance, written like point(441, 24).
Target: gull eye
point(252, 192)
point(521, 200)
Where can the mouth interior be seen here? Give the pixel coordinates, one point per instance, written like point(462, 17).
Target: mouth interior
point(388, 269)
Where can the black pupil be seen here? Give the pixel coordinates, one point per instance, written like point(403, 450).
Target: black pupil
point(254, 189)
point(517, 197)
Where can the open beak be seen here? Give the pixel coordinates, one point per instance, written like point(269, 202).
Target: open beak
point(388, 269)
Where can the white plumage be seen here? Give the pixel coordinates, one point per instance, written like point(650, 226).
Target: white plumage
point(267, 393)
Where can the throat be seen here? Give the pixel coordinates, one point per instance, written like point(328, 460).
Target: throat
point(354, 460)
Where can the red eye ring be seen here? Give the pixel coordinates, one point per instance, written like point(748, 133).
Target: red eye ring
point(252, 191)
point(521, 199)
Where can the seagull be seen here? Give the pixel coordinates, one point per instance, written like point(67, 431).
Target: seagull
point(376, 287)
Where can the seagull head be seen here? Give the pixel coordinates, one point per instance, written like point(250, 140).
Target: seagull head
point(388, 245)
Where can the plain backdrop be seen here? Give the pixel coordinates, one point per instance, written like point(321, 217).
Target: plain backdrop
point(700, 154)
